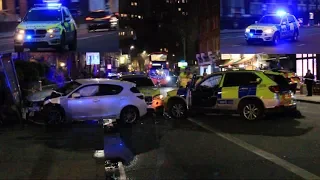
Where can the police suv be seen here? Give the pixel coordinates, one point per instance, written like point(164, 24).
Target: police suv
point(272, 28)
point(248, 93)
point(46, 25)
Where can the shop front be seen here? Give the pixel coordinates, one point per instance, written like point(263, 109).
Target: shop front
point(305, 62)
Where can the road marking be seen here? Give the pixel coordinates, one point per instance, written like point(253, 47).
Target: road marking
point(271, 157)
point(234, 37)
point(301, 44)
point(235, 45)
point(82, 38)
point(122, 171)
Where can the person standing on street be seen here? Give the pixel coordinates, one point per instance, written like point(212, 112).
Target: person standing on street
point(309, 80)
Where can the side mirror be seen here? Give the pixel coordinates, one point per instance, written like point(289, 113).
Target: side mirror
point(258, 81)
point(256, 22)
point(67, 19)
point(76, 95)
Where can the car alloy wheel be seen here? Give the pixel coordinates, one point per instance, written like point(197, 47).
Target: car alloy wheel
point(251, 112)
point(130, 116)
point(55, 117)
point(178, 110)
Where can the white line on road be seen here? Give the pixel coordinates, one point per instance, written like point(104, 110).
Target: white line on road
point(301, 44)
point(236, 45)
point(234, 37)
point(122, 171)
point(271, 157)
point(90, 37)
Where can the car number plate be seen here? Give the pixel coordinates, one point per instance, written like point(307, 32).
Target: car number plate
point(34, 40)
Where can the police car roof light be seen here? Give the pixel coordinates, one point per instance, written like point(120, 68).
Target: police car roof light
point(281, 13)
point(53, 4)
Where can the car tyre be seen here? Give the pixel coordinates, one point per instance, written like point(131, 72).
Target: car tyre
point(61, 47)
point(251, 110)
point(275, 39)
point(73, 44)
point(55, 116)
point(129, 115)
point(18, 48)
point(295, 36)
point(177, 109)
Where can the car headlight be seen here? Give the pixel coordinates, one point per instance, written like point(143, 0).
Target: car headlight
point(20, 31)
point(247, 30)
point(158, 96)
point(268, 31)
point(53, 30)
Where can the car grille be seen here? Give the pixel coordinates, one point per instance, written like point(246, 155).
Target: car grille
point(256, 32)
point(148, 99)
point(38, 33)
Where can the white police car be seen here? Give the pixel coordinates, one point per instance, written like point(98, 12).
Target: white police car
point(272, 28)
point(46, 25)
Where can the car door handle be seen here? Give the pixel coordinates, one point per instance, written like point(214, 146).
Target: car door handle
point(96, 100)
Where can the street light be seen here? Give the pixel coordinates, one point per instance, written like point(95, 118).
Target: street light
point(131, 47)
point(144, 52)
point(173, 55)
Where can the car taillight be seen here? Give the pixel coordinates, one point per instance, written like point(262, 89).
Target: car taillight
point(89, 19)
point(140, 97)
point(274, 89)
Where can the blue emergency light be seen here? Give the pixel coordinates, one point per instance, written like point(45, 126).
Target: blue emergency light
point(29, 37)
point(281, 13)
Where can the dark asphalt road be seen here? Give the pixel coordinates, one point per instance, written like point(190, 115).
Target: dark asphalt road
point(309, 40)
point(100, 41)
point(221, 147)
point(57, 153)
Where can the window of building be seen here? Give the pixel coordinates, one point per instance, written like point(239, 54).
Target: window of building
point(304, 63)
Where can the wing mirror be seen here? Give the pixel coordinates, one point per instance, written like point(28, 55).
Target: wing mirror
point(258, 81)
point(76, 95)
point(67, 19)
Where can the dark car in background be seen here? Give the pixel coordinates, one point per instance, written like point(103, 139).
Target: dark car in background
point(101, 20)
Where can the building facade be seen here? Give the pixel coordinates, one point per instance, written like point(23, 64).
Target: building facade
point(209, 35)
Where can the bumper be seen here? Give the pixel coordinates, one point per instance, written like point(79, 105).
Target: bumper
point(46, 40)
point(99, 25)
point(258, 38)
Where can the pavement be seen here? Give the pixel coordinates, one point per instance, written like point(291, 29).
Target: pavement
point(220, 147)
point(100, 41)
point(56, 153)
point(232, 41)
point(308, 99)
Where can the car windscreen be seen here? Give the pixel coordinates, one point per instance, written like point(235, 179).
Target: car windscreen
point(270, 20)
point(44, 15)
point(99, 14)
point(68, 87)
point(282, 82)
point(140, 82)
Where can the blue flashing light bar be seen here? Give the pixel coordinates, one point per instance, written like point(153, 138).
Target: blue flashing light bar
point(281, 13)
point(29, 37)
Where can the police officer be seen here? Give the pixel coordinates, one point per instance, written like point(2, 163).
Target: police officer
point(185, 77)
point(309, 80)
